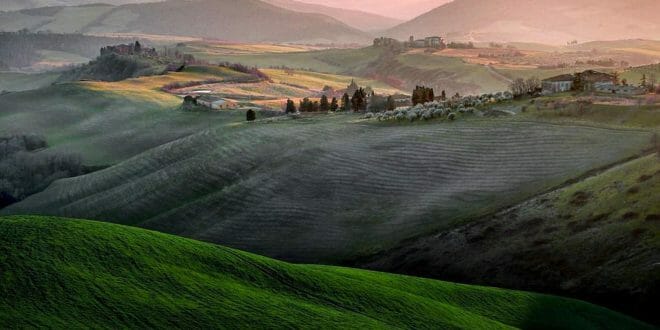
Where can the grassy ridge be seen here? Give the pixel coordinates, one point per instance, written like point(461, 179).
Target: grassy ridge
point(72, 273)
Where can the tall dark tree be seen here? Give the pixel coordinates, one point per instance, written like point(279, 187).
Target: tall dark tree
point(334, 105)
point(290, 107)
point(359, 100)
point(306, 105)
point(443, 96)
point(324, 105)
point(137, 49)
point(345, 102)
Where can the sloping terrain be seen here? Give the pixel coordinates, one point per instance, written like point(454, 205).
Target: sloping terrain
point(65, 273)
point(536, 21)
point(400, 9)
point(334, 187)
point(598, 239)
point(358, 19)
point(109, 122)
point(11, 5)
point(233, 20)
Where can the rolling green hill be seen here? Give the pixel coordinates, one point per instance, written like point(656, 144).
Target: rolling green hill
point(65, 273)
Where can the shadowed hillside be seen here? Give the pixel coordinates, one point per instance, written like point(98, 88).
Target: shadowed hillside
point(88, 274)
point(596, 239)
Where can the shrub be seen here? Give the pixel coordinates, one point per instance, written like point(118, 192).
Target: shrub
point(251, 115)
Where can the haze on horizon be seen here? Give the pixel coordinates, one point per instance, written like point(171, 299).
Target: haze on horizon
point(401, 9)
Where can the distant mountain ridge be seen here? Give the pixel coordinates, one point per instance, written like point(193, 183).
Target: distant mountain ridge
point(538, 21)
point(358, 19)
point(13, 5)
point(232, 20)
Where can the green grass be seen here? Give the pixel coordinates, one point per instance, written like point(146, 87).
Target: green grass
point(639, 115)
point(474, 78)
point(106, 122)
point(64, 273)
point(329, 61)
point(13, 82)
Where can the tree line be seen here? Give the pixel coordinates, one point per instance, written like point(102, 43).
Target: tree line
point(358, 103)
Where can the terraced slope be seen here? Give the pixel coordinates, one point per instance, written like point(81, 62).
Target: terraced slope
point(331, 188)
point(64, 273)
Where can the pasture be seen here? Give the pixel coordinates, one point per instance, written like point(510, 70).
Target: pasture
point(103, 275)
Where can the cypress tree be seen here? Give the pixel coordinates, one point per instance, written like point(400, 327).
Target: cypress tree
point(334, 106)
point(324, 105)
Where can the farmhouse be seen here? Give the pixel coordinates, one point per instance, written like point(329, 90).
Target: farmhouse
point(596, 81)
point(558, 84)
point(434, 42)
point(589, 80)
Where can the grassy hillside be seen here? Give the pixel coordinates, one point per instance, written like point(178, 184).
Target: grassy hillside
point(13, 81)
point(346, 61)
point(108, 122)
point(66, 273)
point(334, 186)
point(598, 239)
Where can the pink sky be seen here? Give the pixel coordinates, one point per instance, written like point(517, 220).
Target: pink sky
point(402, 9)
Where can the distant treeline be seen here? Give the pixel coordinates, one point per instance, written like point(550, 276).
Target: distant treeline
point(25, 171)
point(20, 49)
